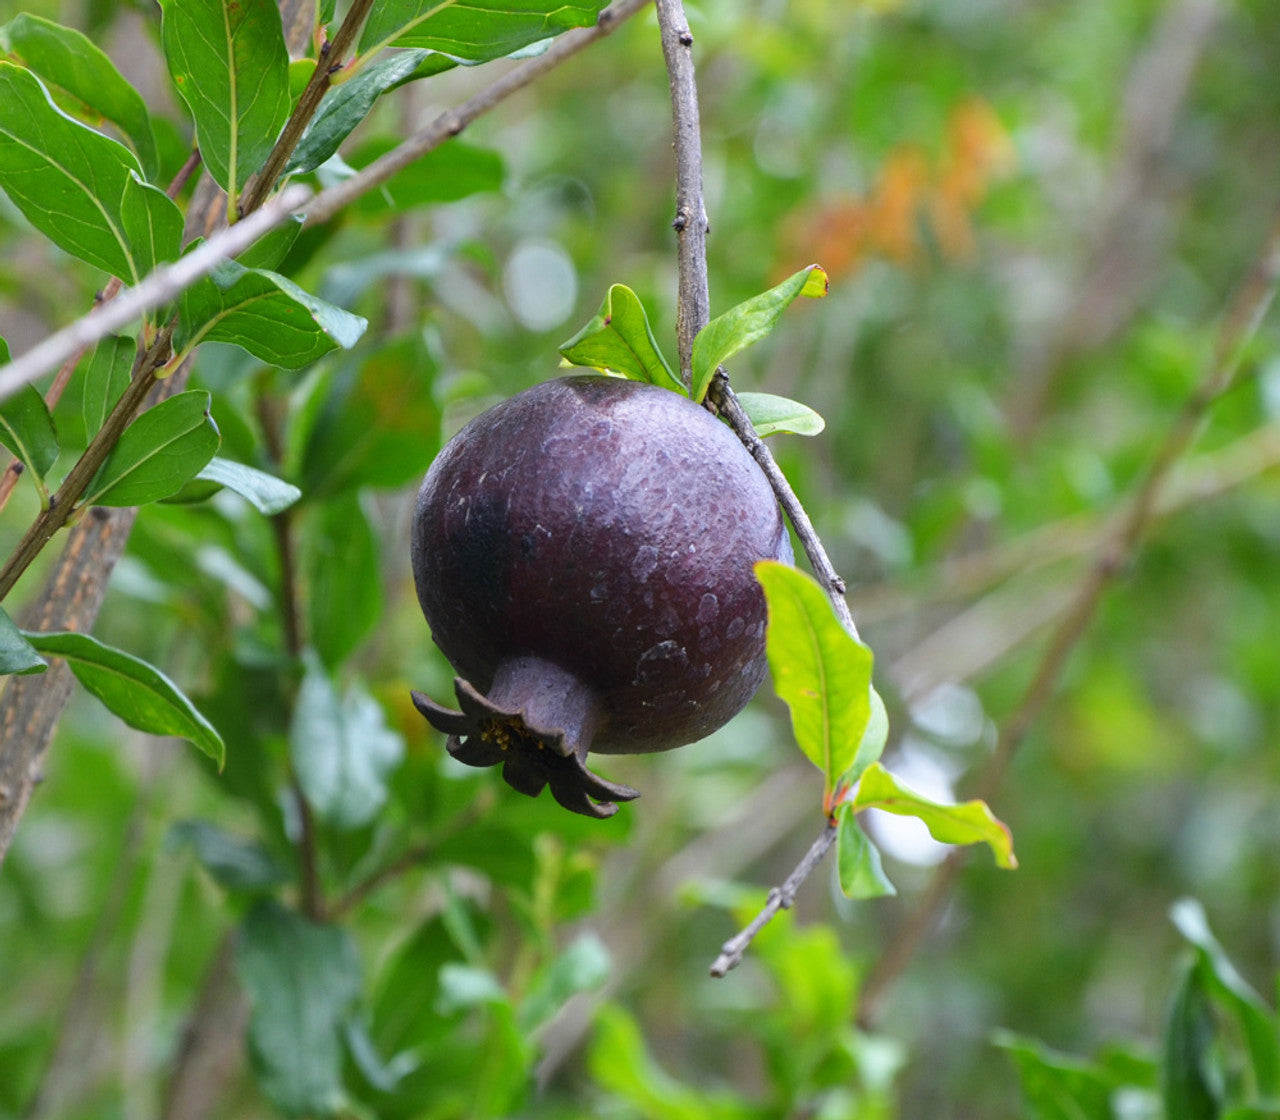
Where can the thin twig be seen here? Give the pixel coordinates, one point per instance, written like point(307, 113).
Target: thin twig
point(780, 898)
point(328, 62)
point(693, 309)
point(160, 287)
point(451, 122)
point(1243, 317)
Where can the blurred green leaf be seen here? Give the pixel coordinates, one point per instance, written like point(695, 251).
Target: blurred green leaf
point(453, 171)
point(749, 322)
point(342, 750)
point(770, 414)
point(583, 966)
point(158, 454)
point(302, 981)
point(1058, 1087)
point(106, 378)
point(265, 314)
point(472, 32)
point(619, 338)
point(858, 860)
point(266, 493)
point(69, 60)
point(234, 863)
point(383, 1075)
point(343, 572)
point(818, 668)
point(1256, 1021)
point(229, 63)
point(67, 180)
point(26, 429)
point(620, 1063)
point(138, 693)
point(971, 822)
point(346, 105)
point(17, 655)
point(378, 424)
point(1189, 1083)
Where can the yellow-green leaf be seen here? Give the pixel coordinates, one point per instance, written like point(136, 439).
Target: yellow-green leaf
point(970, 822)
point(820, 670)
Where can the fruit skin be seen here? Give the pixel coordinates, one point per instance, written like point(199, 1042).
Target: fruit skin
point(583, 554)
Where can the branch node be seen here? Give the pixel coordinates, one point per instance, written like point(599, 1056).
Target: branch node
point(686, 38)
point(680, 222)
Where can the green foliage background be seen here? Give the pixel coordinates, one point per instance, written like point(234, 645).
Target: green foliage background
point(1032, 216)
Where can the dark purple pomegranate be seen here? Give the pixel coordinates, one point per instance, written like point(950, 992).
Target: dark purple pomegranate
point(583, 554)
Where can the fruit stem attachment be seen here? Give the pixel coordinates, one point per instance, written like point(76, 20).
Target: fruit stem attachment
point(537, 721)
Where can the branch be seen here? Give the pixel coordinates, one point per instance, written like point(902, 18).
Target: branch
point(162, 286)
point(451, 122)
point(780, 898)
point(694, 308)
point(1242, 319)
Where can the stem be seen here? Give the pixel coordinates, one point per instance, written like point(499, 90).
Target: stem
point(1243, 317)
point(694, 307)
point(62, 504)
point(780, 898)
point(328, 61)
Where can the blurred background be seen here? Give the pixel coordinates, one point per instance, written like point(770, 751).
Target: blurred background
point(1033, 213)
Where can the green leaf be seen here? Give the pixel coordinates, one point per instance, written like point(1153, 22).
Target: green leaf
point(158, 454)
point(272, 247)
point(153, 224)
point(819, 669)
point(620, 338)
point(620, 1062)
point(235, 864)
point(1188, 1083)
point(582, 967)
point(1233, 994)
point(970, 822)
point(106, 378)
point(230, 65)
point(749, 322)
point(342, 750)
point(135, 691)
point(770, 414)
point(342, 564)
point(454, 170)
point(69, 60)
point(858, 860)
point(26, 429)
point(17, 655)
point(470, 31)
point(378, 425)
point(266, 493)
point(68, 180)
point(302, 981)
point(346, 105)
point(1057, 1086)
point(265, 314)
point(873, 739)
